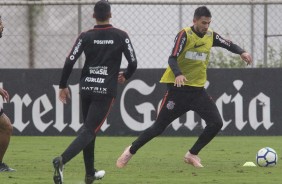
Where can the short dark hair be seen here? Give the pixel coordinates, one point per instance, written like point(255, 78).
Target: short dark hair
point(202, 11)
point(102, 10)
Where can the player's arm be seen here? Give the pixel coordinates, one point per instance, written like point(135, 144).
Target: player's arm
point(219, 41)
point(179, 44)
point(130, 56)
point(74, 54)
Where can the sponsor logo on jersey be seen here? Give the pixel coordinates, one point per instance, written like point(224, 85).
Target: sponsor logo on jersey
point(129, 47)
point(103, 42)
point(199, 56)
point(75, 50)
point(100, 70)
point(99, 90)
point(226, 42)
point(95, 80)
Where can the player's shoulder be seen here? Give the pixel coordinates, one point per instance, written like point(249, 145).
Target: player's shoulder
point(111, 29)
point(185, 31)
point(82, 34)
point(120, 31)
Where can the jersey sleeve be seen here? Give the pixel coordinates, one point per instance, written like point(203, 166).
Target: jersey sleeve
point(74, 54)
point(129, 54)
point(219, 41)
point(179, 44)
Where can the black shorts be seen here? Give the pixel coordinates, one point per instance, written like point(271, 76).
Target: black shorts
point(178, 101)
point(95, 109)
point(1, 111)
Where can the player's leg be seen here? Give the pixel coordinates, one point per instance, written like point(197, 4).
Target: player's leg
point(88, 151)
point(58, 161)
point(206, 108)
point(91, 173)
point(171, 108)
point(88, 156)
point(6, 130)
point(95, 121)
point(98, 111)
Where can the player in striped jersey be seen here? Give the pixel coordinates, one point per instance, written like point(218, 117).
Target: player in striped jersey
point(185, 77)
point(103, 47)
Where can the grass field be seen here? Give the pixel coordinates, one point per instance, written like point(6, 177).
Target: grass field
point(158, 162)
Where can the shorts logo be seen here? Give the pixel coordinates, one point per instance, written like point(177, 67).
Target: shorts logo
point(170, 105)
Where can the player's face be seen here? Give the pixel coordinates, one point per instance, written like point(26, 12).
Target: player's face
point(202, 24)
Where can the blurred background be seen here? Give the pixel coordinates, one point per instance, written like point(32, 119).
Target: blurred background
point(40, 33)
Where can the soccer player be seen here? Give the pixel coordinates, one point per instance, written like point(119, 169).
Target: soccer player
point(103, 47)
point(185, 78)
point(6, 127)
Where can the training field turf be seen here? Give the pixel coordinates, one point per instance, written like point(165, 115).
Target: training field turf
point(158, 162)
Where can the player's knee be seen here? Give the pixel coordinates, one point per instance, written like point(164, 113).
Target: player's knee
point(87, 131)
point(9, 129)
point(218, 124)
point(153, 131)
point(157, 129)
point(5, 124)
point(157, 132)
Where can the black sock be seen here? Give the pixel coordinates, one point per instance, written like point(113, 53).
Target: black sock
point(88, 156)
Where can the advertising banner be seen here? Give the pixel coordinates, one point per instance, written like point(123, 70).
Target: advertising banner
point(249, 101)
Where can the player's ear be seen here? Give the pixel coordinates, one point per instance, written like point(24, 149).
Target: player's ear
point(94, 16)
point(110, 15)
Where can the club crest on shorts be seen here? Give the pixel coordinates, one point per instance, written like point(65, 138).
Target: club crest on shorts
point(170, 105)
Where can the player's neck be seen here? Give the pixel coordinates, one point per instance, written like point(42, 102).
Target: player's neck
point(195, 30)
point(102, 22)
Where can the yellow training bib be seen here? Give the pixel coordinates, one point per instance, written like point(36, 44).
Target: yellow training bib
point(193, 59)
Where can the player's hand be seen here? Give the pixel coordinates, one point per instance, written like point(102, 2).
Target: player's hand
point(64, 94)
point(5, 95)
point(180, 80)
point(121, 78)
point(247, 58)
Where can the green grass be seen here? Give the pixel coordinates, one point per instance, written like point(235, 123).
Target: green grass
point(158, 162)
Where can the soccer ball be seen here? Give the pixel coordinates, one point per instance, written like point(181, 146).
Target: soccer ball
point(266, 157)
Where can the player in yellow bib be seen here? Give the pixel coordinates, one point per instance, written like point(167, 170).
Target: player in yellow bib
point(185, 78)
point(193, 59)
